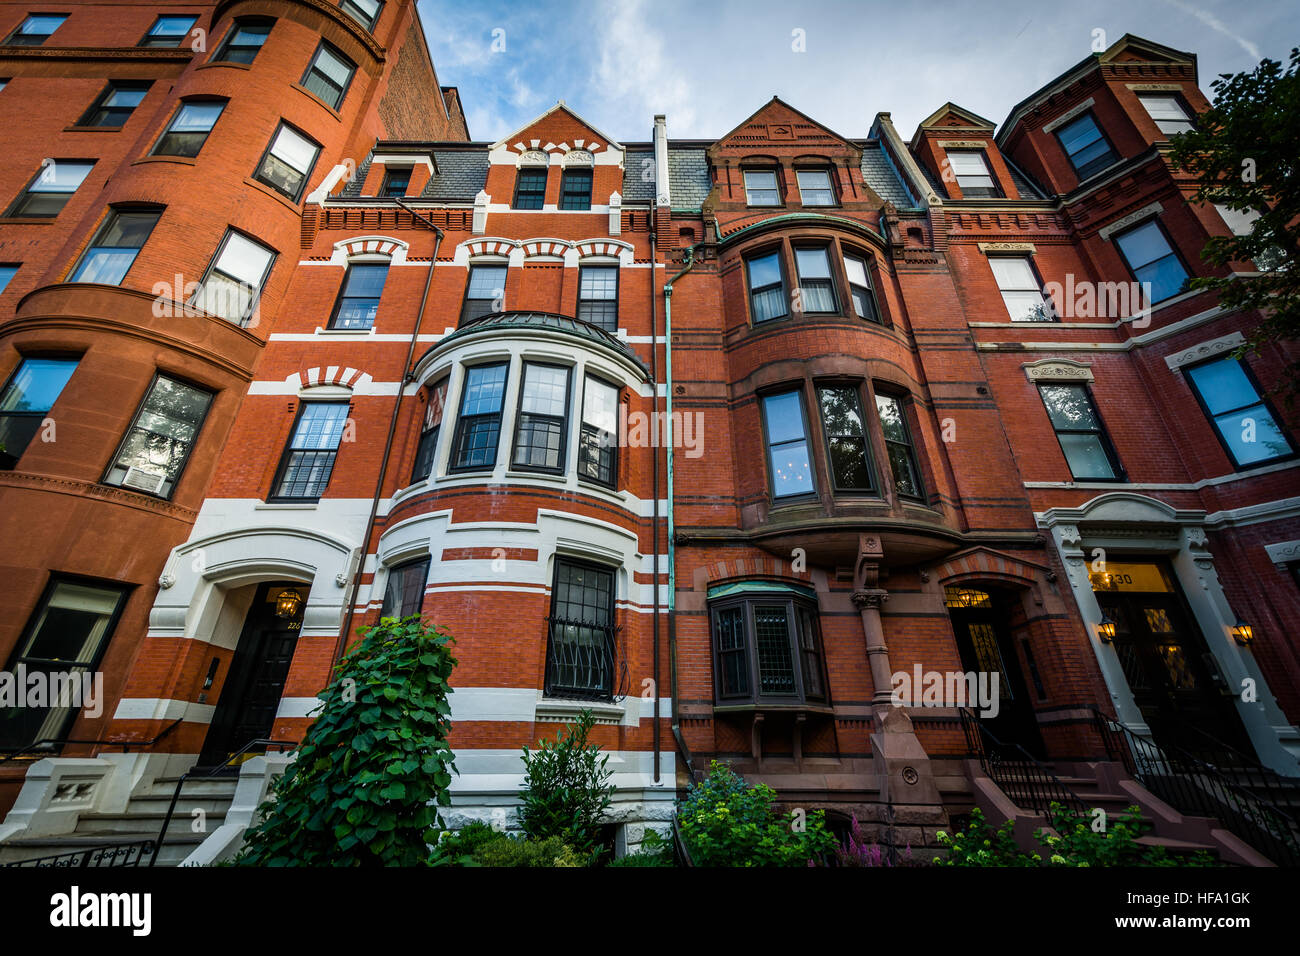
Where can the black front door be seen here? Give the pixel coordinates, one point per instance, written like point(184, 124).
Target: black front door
point(986, 648)
point(1174, 678)
point(251, 693)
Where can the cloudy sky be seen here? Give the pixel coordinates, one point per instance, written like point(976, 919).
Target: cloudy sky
point(708, 64)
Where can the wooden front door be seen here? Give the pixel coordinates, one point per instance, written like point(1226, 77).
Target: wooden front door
point(251, 694)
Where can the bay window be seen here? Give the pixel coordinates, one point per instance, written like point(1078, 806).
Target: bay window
point(404, 592)
point(543, 418)
point(115, 246)
point(189, 128)
point(431, 426)
point(27, 398)
point(848, 454)
point(234, 280)
point(580, 656)
point(598, 444)
point(864, 303)
point(898, 446)
point(478, 426)
point(816, 288)
point(767, 298)
point(288, 161)
point(789, 462)
point(767, 646)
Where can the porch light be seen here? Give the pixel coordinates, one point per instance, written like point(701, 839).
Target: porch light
point(1106, 628)
point(962, 597)
point(288, 604)
point(1242, 632)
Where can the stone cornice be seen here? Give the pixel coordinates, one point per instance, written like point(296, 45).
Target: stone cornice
point(83, 53)
point(1057, 370)
point(1204, 350)
point(87, 489)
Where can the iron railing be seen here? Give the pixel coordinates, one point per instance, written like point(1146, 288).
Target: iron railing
point(122, 854)
point(50, 743)
point(284, 745)
point(1193, 786)
point(1029, 783)
point(582, 661)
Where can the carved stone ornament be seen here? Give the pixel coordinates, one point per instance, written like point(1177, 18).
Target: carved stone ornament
point(534, 157)
point(1204, 350)
point(1048, 370)
point(873, 598)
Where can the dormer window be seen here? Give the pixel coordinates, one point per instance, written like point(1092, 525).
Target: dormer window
point(973, 176)
point(575, 188)
point(530, 187)
point(1088, 149)
point(815, 187)
point(761, 188)
point(1167, 111)
point(396, 181)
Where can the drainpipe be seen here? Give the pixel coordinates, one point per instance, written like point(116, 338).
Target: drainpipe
point(672, 550)
point(407, 376)
point(654, 484)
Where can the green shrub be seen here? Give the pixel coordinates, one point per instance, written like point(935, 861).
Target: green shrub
point(458, 848)
point(725, 822)
point(1074, 843)
point(566, 788)
point(654, 851)
point(374, 766)
point(523, 851)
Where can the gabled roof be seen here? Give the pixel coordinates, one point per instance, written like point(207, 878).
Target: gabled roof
point(968, 119)
point(1116, 52)
point(776, 100)
point(560, 105)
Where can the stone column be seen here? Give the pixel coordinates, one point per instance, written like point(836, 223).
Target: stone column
point(868, 598)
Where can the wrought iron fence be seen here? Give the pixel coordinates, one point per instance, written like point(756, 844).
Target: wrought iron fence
point(582, 661)
point(122, 854)
point(1191, 785)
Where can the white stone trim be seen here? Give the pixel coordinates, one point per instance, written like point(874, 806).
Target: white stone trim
point(1283, 553)
point(1146, 212)
point(370, 248)
point(1058, 370)
point(1204, 350)
point(1069, 115)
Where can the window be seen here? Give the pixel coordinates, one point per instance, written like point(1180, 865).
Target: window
point(1084, 442)
point(1084, 144)
point(1021, 291)
point(816, 290)
point(63, 642)
point(7, 271)
point(1245, 424)
point(432, 425)
point(597, 444)
point(530, 187)
point(313, 446)
point(761, 188)
point(50, 191)
point(848, 456)
point(168, 31)
point(864, 303)
point(36, 29)
point(359, 298)
point(598, 296)
point(543, 418)
point(396, 181)
point(404, 593)
point(485, 293)
point(234, 280)
point(575, 189)
point(788, 460)
point(478, 427)
point(189, 128)
point(1168, 113)
point(1151, 259)
point(30, 394)
point(972, 172)
point(115, 105)
point(365, 12)
point(767, 648)
point(329, 74)
point(288, 161)
point(159, 442)
point(898, 446)
point(815, 187)
point(115, 246)
point(244, 41)
point(581, 649)
point(766, 287)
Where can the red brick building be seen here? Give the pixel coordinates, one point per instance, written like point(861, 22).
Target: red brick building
point(731, 442)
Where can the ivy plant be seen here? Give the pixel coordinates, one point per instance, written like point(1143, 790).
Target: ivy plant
point(374, 766)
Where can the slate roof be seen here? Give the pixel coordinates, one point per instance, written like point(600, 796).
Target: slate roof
point(635, 189)
point(688, 177)
point(554, 322)
point(461, 174)
point(878, 173)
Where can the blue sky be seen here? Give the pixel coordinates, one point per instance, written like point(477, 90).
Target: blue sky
point(708, 65)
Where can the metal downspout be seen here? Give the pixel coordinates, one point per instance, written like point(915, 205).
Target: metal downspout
point(392, 430)
point(654, 485)
point(672, 550)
